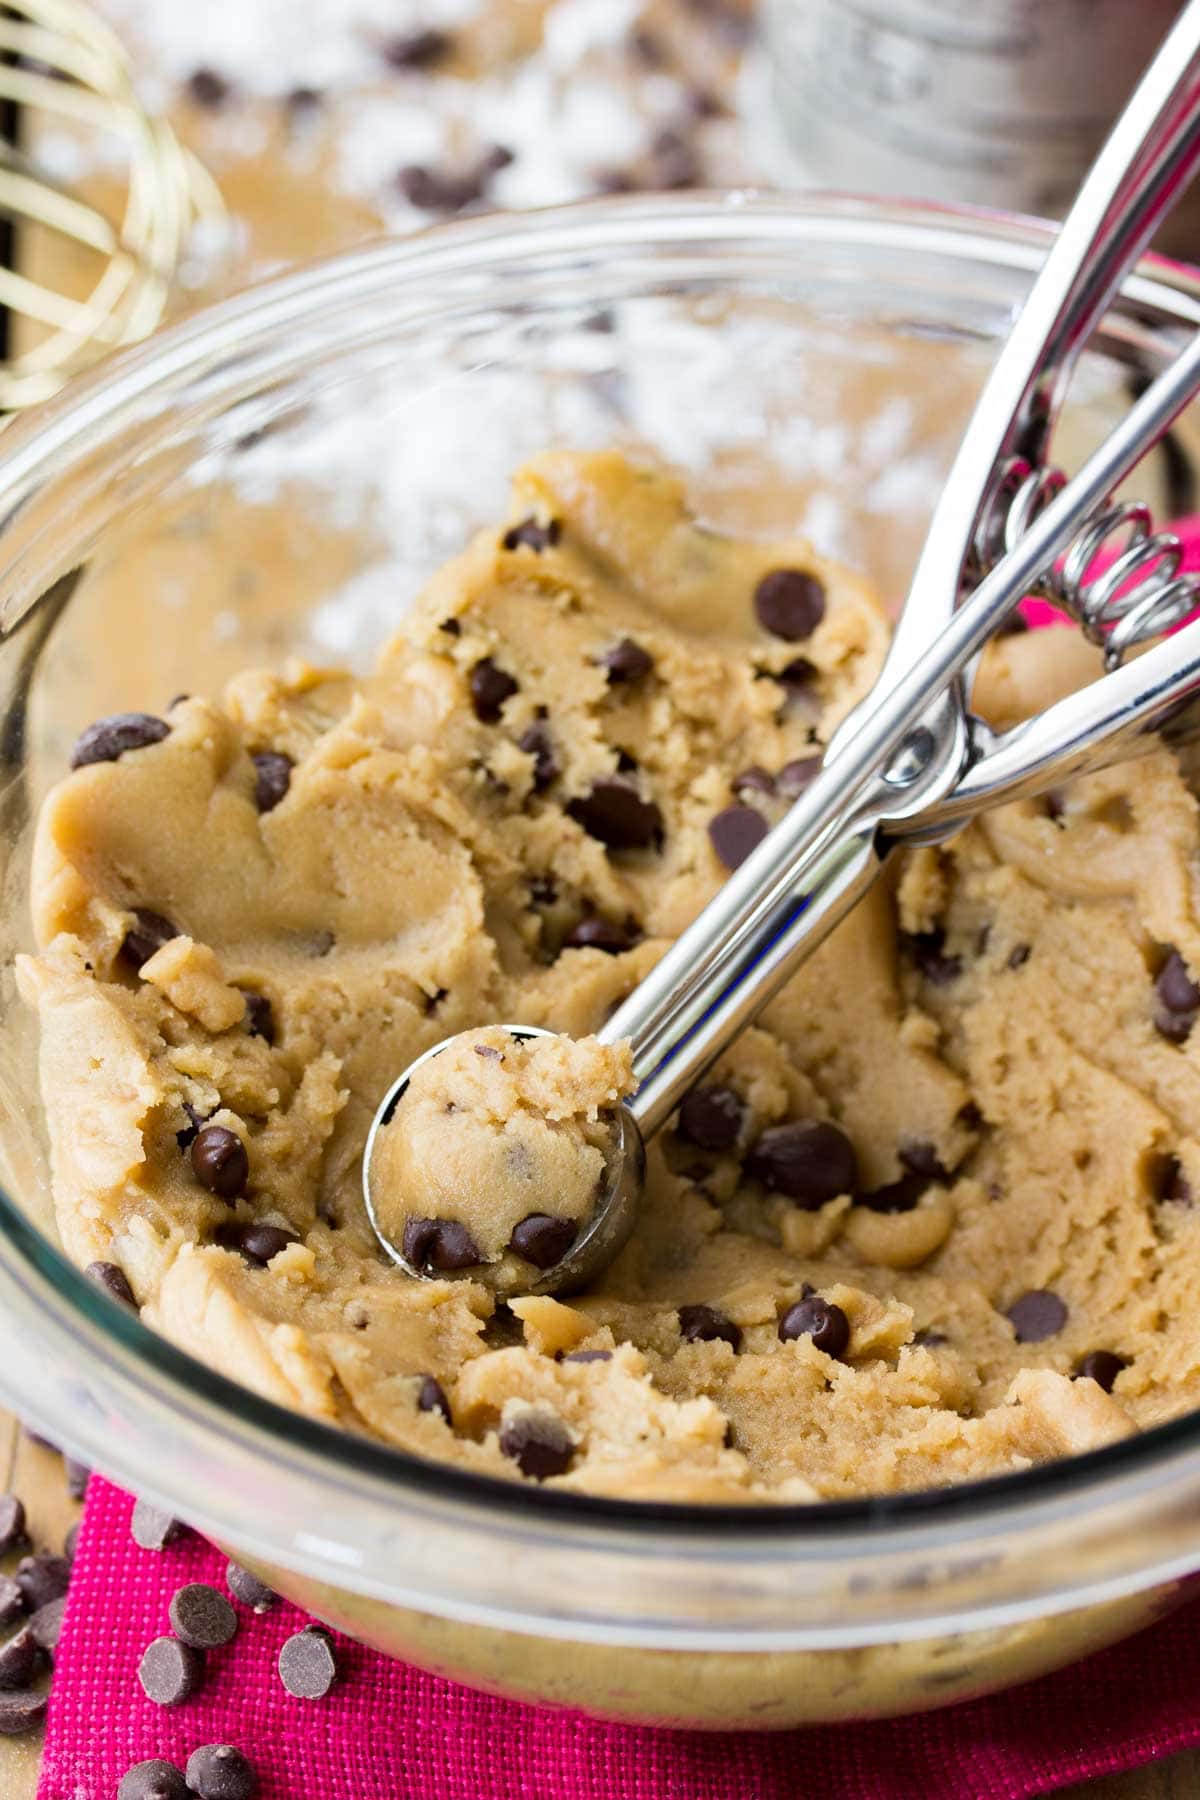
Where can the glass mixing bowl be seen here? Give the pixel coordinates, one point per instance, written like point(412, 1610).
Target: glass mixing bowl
point(279, 474)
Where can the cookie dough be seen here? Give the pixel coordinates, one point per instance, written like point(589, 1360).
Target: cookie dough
point(930, 1219)
point(498, 1151)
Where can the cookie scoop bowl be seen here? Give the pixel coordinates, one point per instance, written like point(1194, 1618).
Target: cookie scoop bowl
point(343, 429)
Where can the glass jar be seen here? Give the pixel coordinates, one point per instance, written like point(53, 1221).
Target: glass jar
point(280, 473)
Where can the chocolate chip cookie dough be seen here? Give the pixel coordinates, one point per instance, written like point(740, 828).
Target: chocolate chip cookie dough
point(929, 1220)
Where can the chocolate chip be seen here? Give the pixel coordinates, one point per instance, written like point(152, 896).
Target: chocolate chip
point(70, 1542)
point(809, 1160)
point(110, 738)
point(491, 686)
point(42, 1577)
point(896, 1196)
point(921, 1158)
point(19, 1658)
point(647, 47)
point(272, 778)
point(432, 191)
point(113, 1280)
point(702, 103)
point(1168, 1181)
point(153, 1780)
point(539, 1443)
point(1178, 999)
point(674, 162)
point(588, 1356)
point(822, 1321)
point(12, 1600)
point(255, 1242)
point(303, 99)
point(46, 1625)
point(799, 677)
point(249, 1589)
point(153, 1529)
point(431, 1397)
point(1018, 956)
point(754, 780)
point(307, 1667)
point(170, 1672)
point(614, 812)
point(797, 775)
point(930, 1337)
point(594, 933)
point(260, 1016)
point(438, 1244)
point(207, 88)
point(78, 1475)
point(735, 832)
point(711, 1117)
point(12, 1523)
point(926, 949)
point(533, 536)
point(626, 662)
point(148, 933)
point(417, 49)
point(543, 1240)
point(1102, 1367)
point(187, 1137)
point(1016, 625)
point(219, 1772)
point(1037, 1315)
point(452, 627)
point(220, 1163)
point(789, 603)
point(202, 1617)
point(705, 1325)
point(20, 1711)
point(536, 741)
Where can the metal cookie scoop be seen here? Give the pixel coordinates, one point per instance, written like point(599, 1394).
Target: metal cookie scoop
point(911, 764)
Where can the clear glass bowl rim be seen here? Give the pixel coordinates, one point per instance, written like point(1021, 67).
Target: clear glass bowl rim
point(143, 383)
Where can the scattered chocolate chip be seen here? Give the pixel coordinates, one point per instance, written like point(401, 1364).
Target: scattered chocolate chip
point(536, 741)
point(1102, 1367)
point(735, 832)
point(110, 738)
point(491, 686)
point(249, 1589)
point(417, 49)
point(207, 88)
point(533, 536)
point(12, 1600)
point(21, 1710)
point(1037, 1315)
point(202, 1617)
point(432, 191)
point(42, 1577)
point(822, 1321)
point(19, 1658)
point(78, 1474)
point(614, 812)
point(439, 1244)
point(12, 1523)
point(113, 1280)
point(153, 1780)
point(711, 1117)
point(754, 780)
point(705, 1325)
point(431, 1397)
point(272, 778)
point(260, 1016)
point(588, 1356)
point(797, 775)
point(809, 1160)
point(46, 1626)
point(543, 1240)
point(153, 1529)
point(69, 1544)
point(255, 1242)
point(170, 1672)
point(220, 1162)
point(1178, 999)
point(1018, 956)
point(595, 933)
point(539, 1443)
point(307, 1667)
point(148, 933)
point(921, 1158)
point(789, 603)
point(927, 951)
point(626, 662)
point(219, 1772)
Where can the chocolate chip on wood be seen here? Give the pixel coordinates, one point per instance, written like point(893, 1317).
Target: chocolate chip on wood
point(19, 1659)
point(42, 1577)
point(21, 1710)
point(12, 1523)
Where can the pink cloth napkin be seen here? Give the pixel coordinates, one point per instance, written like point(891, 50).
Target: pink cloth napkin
point(389, 1732)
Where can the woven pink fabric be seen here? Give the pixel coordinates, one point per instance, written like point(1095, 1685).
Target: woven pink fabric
point(388, 1732)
